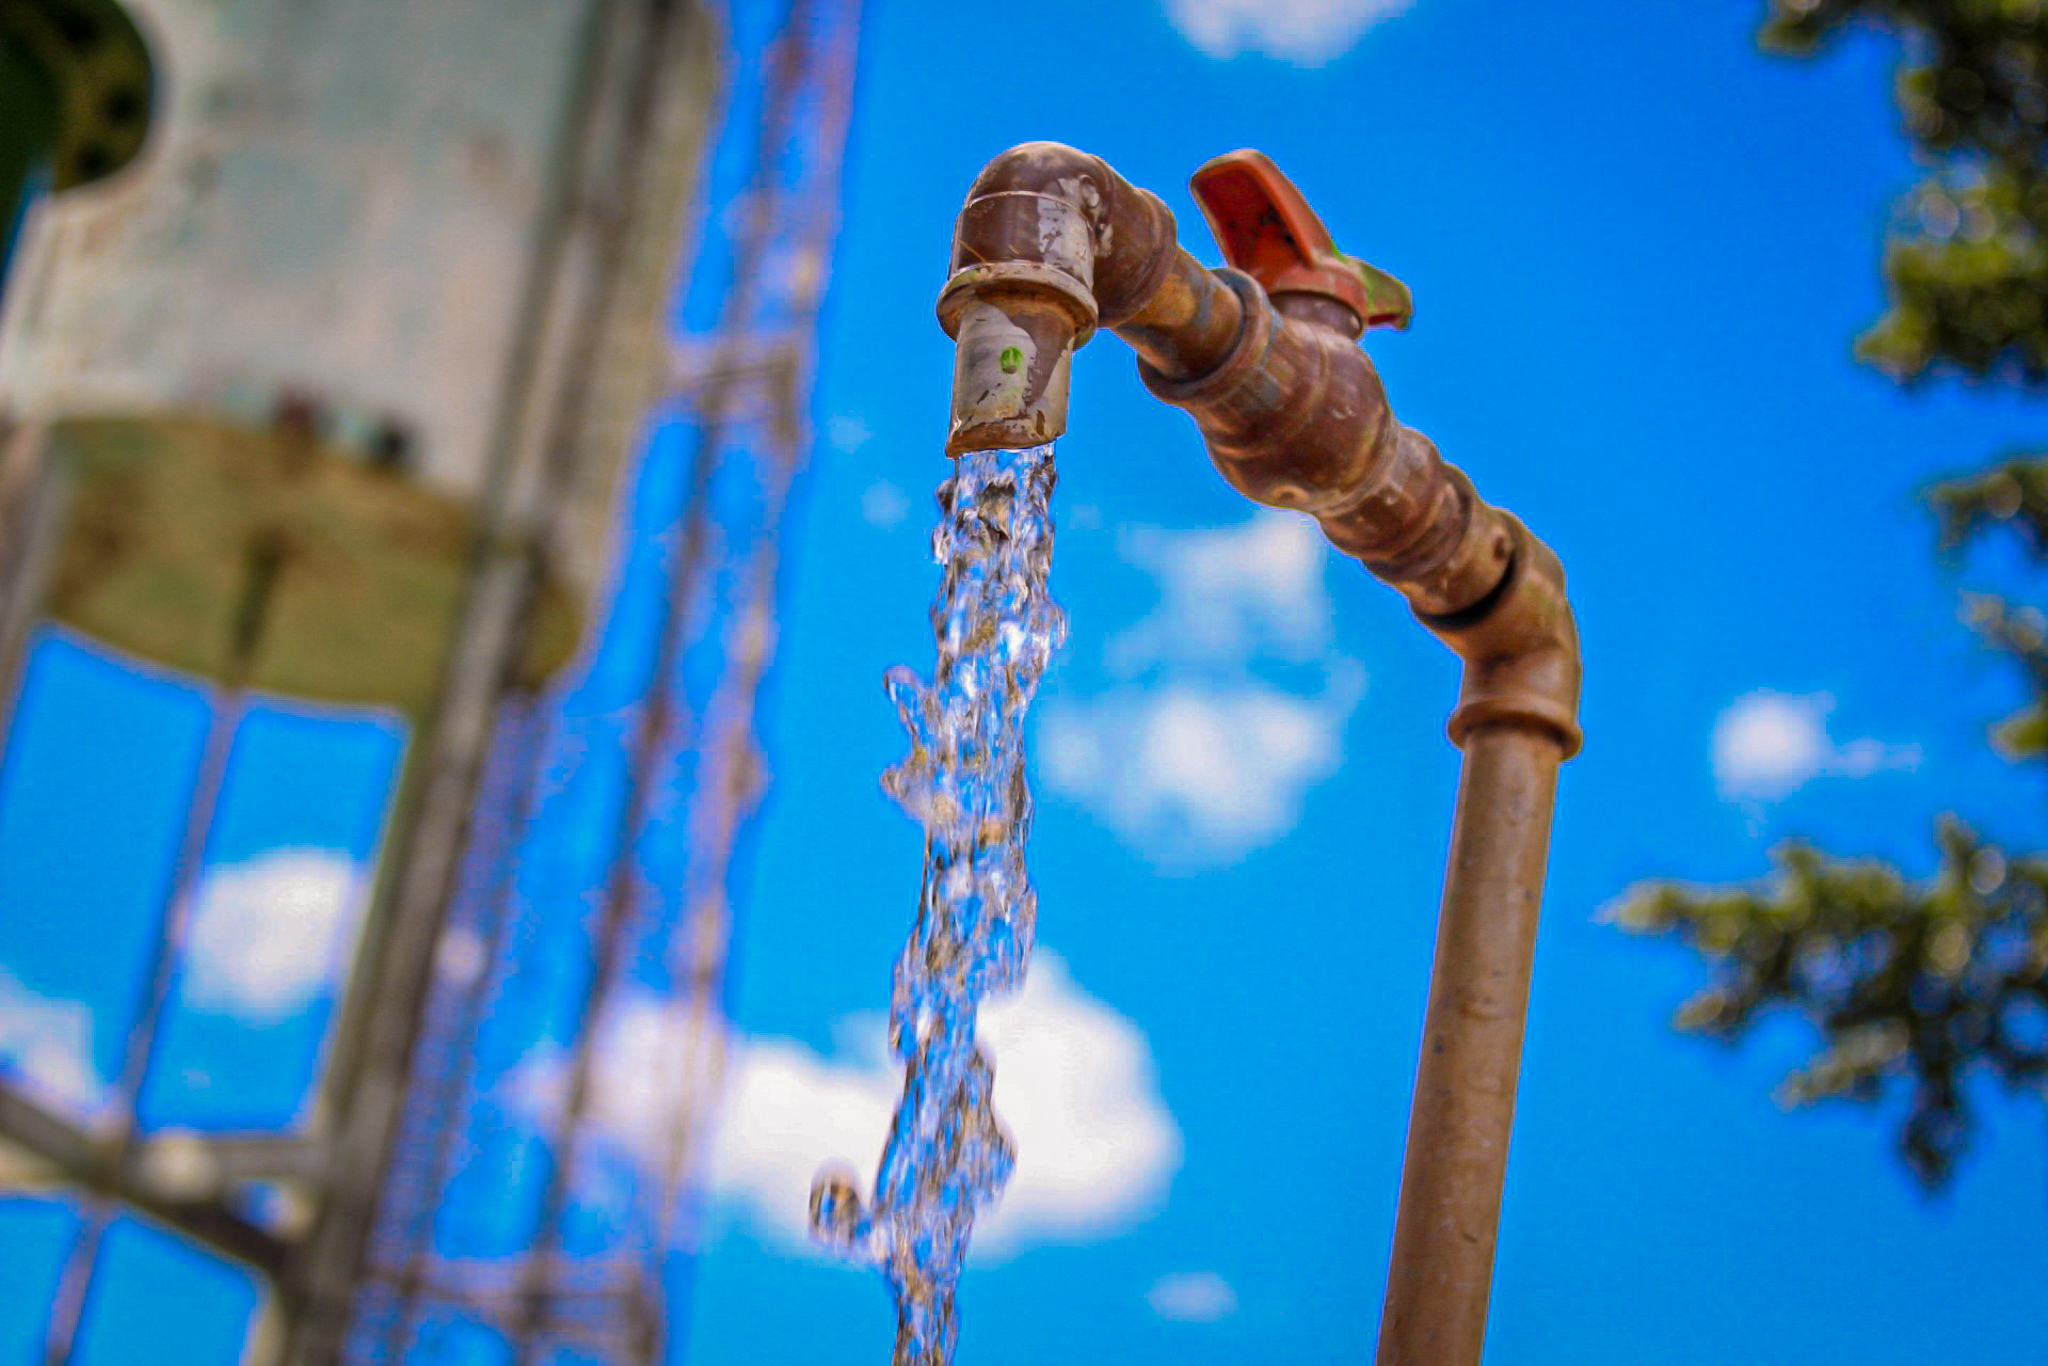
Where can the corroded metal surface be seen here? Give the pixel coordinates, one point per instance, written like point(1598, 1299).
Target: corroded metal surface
point(1293, 413)
point(1294, 416)
point(1441, 1270)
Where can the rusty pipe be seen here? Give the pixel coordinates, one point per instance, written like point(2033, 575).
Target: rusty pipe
point(1051, 245)
point(1441, 1268)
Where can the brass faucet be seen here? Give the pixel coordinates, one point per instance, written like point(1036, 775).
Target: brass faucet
point(1262, 353)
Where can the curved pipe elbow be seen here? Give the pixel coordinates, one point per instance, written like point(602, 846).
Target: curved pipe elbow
point(1049, 204)
point(1520, 647)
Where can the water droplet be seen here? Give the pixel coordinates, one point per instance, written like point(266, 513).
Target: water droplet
point(836, 1213)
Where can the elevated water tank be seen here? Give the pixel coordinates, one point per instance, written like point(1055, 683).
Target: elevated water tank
point(288, 341)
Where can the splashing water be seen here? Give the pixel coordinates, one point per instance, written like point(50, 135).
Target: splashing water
point(996, 628)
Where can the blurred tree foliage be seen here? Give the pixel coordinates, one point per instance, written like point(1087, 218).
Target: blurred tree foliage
point(1913, 986)
point(1916, 987)
point(1967, 265)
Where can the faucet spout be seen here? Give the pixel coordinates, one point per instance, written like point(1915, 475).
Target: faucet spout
point(1263, 354)
point(1052, 243)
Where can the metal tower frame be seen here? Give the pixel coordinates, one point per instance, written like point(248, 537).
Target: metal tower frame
point(354, 1281)
point(740, 392)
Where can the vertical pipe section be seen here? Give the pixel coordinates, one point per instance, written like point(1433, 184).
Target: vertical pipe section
point(1451, 1179)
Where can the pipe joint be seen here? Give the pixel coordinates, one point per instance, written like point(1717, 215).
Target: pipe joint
point(1291, 413)
point(1032, 279)
point(1246, 349)
point(1458, 550)
point(1015, 325)
point(1520, 645)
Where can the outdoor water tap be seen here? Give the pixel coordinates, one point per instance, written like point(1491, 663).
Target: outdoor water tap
point(1263, 354)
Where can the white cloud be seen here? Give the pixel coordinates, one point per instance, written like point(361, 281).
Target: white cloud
point(1196, 774)
point(1228, 593)
point(1199, 759)
point(1768, 744)
point(462, 957)
point(1192, 1297)
point(1096, 1145)
point(266, 934)
point(848, 433)
point(1304, 32)
point(46, 1045)
point(653, 1059)
point(884, 505)
point(1074, 1086)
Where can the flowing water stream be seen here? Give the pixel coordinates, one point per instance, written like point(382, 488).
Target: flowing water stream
point(996, 627)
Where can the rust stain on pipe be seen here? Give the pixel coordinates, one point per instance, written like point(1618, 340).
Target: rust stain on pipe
point(1052, 243)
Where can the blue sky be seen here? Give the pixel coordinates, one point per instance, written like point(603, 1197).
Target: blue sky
point(1640, 252)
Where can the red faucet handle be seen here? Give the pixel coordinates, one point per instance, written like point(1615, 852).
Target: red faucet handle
point(1267, 230)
